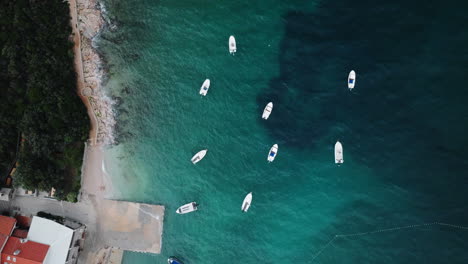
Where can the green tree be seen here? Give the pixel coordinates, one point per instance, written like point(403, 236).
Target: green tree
point(38, 96)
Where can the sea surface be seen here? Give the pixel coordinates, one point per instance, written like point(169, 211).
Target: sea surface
point(401, 195)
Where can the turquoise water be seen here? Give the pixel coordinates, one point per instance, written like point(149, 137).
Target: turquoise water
point(403, 127)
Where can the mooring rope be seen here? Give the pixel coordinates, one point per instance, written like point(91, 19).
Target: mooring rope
point(330, 242)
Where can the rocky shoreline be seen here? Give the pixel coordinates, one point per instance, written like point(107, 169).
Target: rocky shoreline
point(110, 224)
point(90, 22)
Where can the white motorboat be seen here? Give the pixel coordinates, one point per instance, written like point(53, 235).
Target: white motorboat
point(272, 153)
point(267, 110)
point(187, 208)
point(351, 80)
point(338, 153)
point(247, 202)
point(232, 45)
point(199, 156)
point(205, 86)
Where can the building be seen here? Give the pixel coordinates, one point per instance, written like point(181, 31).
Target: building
point(22, 251)
point(64, 240)
point(3, 240)
point(19, 233)
point(46, 241)
point(7, 224)
point(6, 194)
point(14, 250)
point(23, 222)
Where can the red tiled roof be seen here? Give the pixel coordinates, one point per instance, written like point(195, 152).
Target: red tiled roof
point(19, 233)
point(6, 225)
point(3, 239)
point(23, 221)
point(29, 252)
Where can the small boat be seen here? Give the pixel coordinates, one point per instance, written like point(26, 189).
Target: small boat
point(205, 86)
point(199, 156)
point(174, 260)
point(232, 45)
point(187, 208)
point(267, 110)
point(247, 202)
point(351, 80)
point(338, 153)
point(272, 153)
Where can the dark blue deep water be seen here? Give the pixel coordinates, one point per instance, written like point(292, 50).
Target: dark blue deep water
point(402, 190)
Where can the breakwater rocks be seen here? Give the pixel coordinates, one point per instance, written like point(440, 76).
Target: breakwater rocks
point(90, 22)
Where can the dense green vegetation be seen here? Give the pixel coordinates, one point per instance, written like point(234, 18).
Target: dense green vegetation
point(38, 97)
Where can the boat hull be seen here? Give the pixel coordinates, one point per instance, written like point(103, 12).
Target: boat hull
point(273, 152)
point(267, 111)
point(338, 153)
point(351, 80)
point(232, 45)
point(205, 87)
point(247, 202)
point(187, 208)
point(199, 156)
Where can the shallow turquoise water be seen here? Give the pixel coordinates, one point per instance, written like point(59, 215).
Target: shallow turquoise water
point(402, 128)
